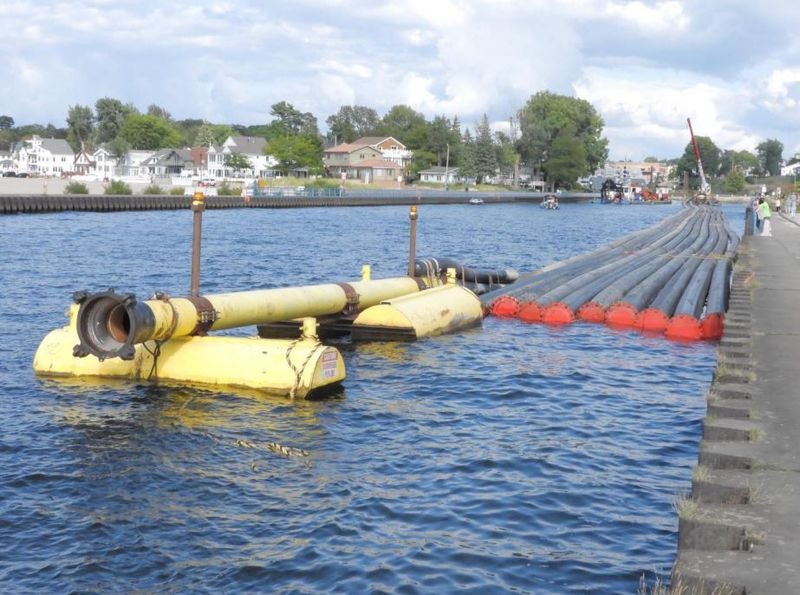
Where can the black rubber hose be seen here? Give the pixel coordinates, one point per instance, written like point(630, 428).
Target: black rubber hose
point(544, 279)
point(582, 288)
point(659, 269)
point(668, 297)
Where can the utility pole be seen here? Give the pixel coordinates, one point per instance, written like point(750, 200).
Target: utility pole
point(447, 168)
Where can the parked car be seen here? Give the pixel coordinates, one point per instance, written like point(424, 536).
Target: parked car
point(9, 174)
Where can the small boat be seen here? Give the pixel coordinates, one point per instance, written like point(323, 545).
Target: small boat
point(476, 201)
point(549, 202)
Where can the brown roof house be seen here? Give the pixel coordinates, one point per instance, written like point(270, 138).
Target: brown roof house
point(361, 161)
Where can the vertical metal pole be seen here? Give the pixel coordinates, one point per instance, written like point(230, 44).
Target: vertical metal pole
point(412, 248)
point(447, 169)
point(198, 206)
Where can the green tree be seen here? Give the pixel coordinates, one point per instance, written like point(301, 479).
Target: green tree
point(159, 112)
point(406, 125)
point(485, 155)
point(237, 162)
point(110, 115)
point(293, 152)
point(546, 116)
point(80, 127)
point(421, 160)
point(709, 155)
point(744, 161)
point(118, 148)
point(467, 167)
point(651, 159)
point(566, 161)
point(6, 122)
point(149, 132)
point(770, 155)
point(291, 121)
point(205, 136)
point(505, 151)
point(735, 181)
point(352, 122)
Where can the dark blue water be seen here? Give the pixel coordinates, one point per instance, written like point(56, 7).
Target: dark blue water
point(508, 458)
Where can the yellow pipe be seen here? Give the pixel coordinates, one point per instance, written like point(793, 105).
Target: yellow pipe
point(432, 312)
point(291, 368)
point(110, 324)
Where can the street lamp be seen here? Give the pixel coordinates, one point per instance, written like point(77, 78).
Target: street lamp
point(447, 168)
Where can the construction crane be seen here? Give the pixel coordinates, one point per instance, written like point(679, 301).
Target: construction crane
point(705, 187)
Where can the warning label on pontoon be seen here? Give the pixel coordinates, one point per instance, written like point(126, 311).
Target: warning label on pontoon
point(329, 364)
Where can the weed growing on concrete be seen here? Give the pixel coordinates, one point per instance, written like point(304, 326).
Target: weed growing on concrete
point(685, 507)
point(701, 473)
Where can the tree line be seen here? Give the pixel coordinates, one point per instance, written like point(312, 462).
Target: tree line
point(556, 137)
point(730, 169)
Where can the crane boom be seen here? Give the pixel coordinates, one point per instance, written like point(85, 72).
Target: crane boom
point(705, 187)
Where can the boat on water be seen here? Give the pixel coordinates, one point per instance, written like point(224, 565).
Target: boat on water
point(549, 202)
point(476, 201)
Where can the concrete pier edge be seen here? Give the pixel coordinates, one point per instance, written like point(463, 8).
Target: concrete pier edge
point(739, 530)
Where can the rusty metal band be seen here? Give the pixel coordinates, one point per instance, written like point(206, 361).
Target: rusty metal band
point(206, 315)
point(352, 298)
point(420, 283)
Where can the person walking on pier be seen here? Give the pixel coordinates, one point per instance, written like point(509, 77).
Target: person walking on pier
point(764, 214)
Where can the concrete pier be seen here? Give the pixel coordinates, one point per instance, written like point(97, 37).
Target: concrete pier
point(739, 531)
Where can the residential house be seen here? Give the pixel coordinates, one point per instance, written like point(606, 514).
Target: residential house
point(104, 164)
point(44, 156)
point(167, 162)
point(7, 163)
point(251, 147)
point(131, 165)
point(439, 174)
point(391, 149)
point(793, 169)
point(84, 163)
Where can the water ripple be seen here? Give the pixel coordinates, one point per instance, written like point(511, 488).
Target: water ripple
point(508, 458)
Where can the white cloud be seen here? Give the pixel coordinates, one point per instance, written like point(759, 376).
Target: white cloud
point(645, 64)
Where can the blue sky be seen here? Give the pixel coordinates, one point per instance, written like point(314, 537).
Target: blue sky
point(733, 66)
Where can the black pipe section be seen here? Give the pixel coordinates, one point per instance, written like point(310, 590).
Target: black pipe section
point(532, 285)
point(115, 323)
point(638, 288)
point(583, 288)
point(436, 267)
point(694, 294)
point(667, 298)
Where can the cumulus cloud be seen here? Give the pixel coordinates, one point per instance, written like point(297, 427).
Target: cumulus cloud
point(731, 65)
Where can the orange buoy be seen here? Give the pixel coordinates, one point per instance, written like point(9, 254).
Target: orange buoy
point(558, 313)
point(684, 327)
point(592, 312)
point(504, 307)
point(621, 314)
point(651, 320)
point(712, 327)
point(530, 312)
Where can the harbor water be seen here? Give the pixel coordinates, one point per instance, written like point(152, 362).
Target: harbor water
point(508, 458)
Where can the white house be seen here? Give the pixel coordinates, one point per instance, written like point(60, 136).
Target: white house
point(791, 170)
point(104, 164)
point(44, 156)
point(440, 175)
point(132, 165)
point(251, 147)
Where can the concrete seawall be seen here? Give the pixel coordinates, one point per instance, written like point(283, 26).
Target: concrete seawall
point(739, 531)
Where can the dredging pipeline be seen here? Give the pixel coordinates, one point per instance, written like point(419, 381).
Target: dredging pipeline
point(110, 324)
point(671, 278)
